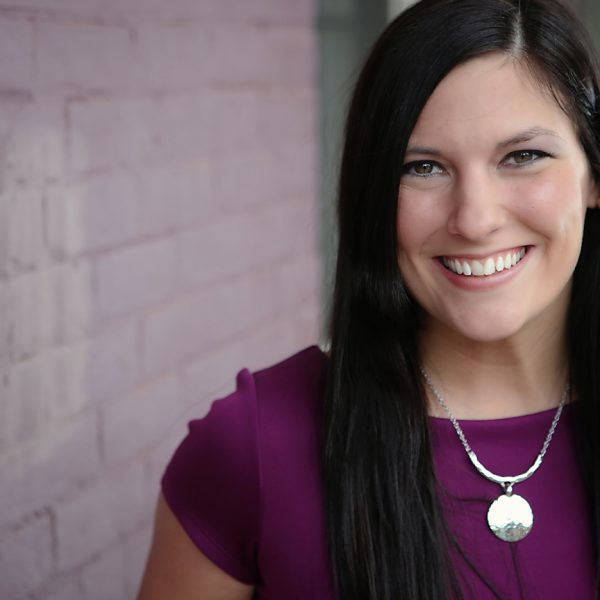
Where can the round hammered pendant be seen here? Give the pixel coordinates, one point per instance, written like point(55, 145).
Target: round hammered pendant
point(510, 517)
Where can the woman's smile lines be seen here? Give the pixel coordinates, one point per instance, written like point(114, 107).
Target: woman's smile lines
point(485, 266)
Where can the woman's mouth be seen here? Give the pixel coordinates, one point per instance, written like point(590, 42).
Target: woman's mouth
point(485, 266)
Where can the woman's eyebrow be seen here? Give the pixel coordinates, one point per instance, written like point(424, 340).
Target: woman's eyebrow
point(522, 136)
point(423, 150)
point(527, 135)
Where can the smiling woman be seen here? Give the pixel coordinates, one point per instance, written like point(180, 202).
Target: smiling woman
point(448, 445)
point(491, 208)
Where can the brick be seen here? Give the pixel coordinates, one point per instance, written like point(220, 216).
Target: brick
point(25, 556)
point(108, 132)
point(133, 11)
point(181, 330)
point(49, 387)
point(35, 151)
point(62, 587)
point(112, 367)
point(93, 519)
point(209, 376)
point(270, 343)
point(302, 12)
point(65, 8)
point(300, 280)
point(29, 393)
point(309, 324)
point(16, 53)
point(64, 221)
point(31, 315)
point(244, 240)
point(288, 114)
point(73, 300)
point(173, 333)
point(241, 54)
point(303, 179)
point(270, 11)
point(5, 326)
point(181, 127)
point(237, 115)
point(26, 247)
point(5, 205)
point(71, 396)
point(98, 214)
point(176, 195)
point(134, 278)
point(175, 55)
point(104, 578)
point(136, 548)
point(293, 55)
point(136, 422)
point(247, 178)
point(109, 211)
point(82, 56)
point(54, 463)
point(238, 240)
point(272, 55)
point(45, 307)
point(157, 457)
point(6, 420)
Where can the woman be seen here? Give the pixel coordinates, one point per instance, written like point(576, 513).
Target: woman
point(448, 446)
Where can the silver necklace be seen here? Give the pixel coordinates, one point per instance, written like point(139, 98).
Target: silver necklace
point(509, 516)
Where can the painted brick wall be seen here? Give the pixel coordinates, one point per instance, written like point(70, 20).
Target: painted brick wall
point(158, 232)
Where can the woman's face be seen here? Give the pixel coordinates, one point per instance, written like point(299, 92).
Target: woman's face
point(492, 203)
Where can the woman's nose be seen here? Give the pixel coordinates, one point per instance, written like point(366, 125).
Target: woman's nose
point(476, 207)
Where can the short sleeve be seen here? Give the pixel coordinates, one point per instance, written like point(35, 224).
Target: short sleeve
point(212, 483)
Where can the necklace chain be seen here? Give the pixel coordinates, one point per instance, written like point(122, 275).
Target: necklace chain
point(506, 482)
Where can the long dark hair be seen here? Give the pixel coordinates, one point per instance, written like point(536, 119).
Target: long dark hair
point(387, 533)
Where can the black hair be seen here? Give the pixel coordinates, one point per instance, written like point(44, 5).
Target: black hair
point(387, 534)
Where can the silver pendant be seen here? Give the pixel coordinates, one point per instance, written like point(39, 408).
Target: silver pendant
point(510, 517)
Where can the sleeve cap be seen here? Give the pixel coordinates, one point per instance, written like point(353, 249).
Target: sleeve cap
point(212, 483)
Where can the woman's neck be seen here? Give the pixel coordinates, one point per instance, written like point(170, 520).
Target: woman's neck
point(489, 380)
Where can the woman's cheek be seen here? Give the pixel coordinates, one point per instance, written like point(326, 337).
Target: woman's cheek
point(549, 202)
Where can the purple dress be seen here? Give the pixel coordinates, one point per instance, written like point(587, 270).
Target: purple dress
point(246, 486)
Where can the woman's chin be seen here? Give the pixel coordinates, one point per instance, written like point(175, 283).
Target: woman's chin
point(486, 329)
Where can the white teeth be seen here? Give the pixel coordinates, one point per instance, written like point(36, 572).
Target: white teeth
point(477, 268)
point(489, 266)
point(458, 267)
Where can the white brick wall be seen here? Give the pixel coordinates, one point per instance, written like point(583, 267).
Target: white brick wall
point(157, 233)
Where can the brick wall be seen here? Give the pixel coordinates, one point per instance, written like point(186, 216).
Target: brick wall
point(157, 233)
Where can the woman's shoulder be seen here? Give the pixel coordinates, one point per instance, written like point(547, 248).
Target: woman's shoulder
point(294, 385)
point(295, 381)
point(237, 450)
point(300, 376)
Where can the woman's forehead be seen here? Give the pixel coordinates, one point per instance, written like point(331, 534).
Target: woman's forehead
point(491, 95)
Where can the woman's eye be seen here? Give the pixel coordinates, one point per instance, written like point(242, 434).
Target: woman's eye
point(523, 157)
point(422, 168)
